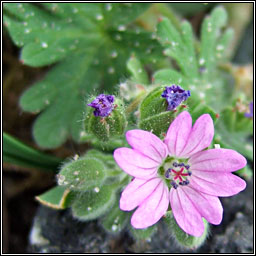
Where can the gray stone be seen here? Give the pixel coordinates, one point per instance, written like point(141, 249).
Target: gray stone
point(58, 232)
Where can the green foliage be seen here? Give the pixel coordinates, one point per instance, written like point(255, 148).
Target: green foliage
point(137, 71)
point(183, 239)
point(143, 234)
point(108, 127)
point(90, 44)
point(198, 63)
point(115, 220)
point(94, 203)
point(17, 153)
point(82, 174)
point(154, 115)
point(56, 198)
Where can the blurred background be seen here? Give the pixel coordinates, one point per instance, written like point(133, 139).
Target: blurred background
point(22, 183)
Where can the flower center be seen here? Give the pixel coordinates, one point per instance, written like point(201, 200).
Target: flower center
point(175, 173)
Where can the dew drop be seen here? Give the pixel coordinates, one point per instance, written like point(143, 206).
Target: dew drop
point(65, 183)
point(72, 186)
point(99, 17)
point(89, 208)
point(27, 30)
point(219, 47)
point(201, 95)
point(118, 37)
point(201, 61)
point(75, 157)
point(108, 7)
point(82, 134)
point(96, 189)
point(116, 219)
point(114, 227)
point(140, 70)
point(111, 70)
point(25, 23)
point(153, 36)
point(75, 10)
point(44, 44)
point(47, 102)
point(61, 179)
point(77, 179)
point(114, 54)
point(76, 173)
point(121, 28)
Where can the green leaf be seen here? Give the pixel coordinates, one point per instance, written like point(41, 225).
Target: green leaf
point(198, 108)
point(233, 140)
point(90, 42)
point(210, 32)
point(57, 198)
point(178, 46)
point(169, 76)
point(246, 172)
point(82, 174)
point(17, 153)
point(94, 203)
point(115, 220)
point(139, 75)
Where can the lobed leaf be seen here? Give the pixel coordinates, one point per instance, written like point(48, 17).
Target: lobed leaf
point(90, 42)
point(57, 198)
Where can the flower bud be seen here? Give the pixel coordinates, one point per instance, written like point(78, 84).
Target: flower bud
point(160, 107)
point(105, 118)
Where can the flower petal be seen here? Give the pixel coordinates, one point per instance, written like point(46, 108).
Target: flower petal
point(216, 183)
point(218, 160)
point(152, 209)
point(178, 133)
point(135, 164)
point(136, 192)
point(148, 144)
point(208, 206)
point(185, 213)
point(200, 137)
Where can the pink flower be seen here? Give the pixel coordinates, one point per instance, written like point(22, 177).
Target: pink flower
point(178, 170)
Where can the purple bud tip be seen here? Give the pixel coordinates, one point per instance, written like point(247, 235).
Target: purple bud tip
point(250, 114)
point(103, 105)
point(175, 95)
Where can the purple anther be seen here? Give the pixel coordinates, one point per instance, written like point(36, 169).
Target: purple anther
point(167, 174)
point(181, 164)
point(175, 95)
point(174, 184)
point(185, 182)
point(175, 164)
point(103, 105)
point(187, 167)
point(189, 173)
